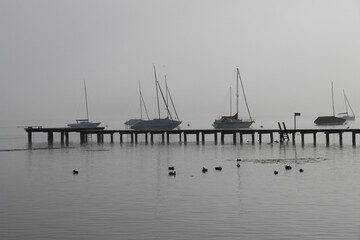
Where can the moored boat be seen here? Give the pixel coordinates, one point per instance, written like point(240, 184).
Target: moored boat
point(233, 122)
point(330, 120)
point(167, 123)
point(84, 123)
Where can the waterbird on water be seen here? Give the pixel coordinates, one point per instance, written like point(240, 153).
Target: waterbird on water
point(75, 172)
point(239, 160)
point(218, 168)
point(301, 170)
point(288, 167)
point(275, 172)
point(238, 165)
point(171, 168)
point(204, 170)
point(172, 173)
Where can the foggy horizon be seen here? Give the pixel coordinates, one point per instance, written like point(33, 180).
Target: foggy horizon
point(288, 53)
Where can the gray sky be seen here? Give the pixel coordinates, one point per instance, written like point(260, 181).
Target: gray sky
point(288, 53)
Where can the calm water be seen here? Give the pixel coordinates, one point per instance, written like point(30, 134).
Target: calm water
point(123, 191)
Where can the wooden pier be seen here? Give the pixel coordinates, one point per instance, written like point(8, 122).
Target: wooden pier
point(183, 134)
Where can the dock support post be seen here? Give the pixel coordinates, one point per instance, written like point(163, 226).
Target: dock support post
point(121, 138)
point(67, 138)
point(180, 137)
point(293, 137)
point(302, 138)
point(281, 137)
point(234, 138)
point(215, 138)
point(132, 137)
point(222, 138)
point(151, 138)
point(29, 138)
point(271, 137)
point(340, 139)
point(185, 138)
point(82, 138)
point(162, 138)
point(146, 138)
point(253, 138)
point(136, 137)
point(98, 136)
point(197, 138)
point(50, 138)
point(203, 138)
point(353, 139)
point(167, 138)
point(241, 138)
point(62, 138)
point(112, 137)
point(314, 137)
point(260, 137)
point(327, 139)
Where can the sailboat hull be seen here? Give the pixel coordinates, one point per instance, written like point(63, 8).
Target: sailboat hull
point(133, 121)
point(84, 125)
point(156, 124)
point(329, 121)
point(231, 123)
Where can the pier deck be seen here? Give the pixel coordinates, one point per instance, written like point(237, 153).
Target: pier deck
point(183, 134)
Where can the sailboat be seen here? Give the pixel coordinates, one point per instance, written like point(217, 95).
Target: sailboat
point(330, 120)
point(142, 103)
point(345, 115)
point(167, 123)
point(233, 122)
point(84, 123)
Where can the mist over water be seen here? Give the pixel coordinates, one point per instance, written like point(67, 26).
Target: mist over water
point(288, 53)
point(123, 191)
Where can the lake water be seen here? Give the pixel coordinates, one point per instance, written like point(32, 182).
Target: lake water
point(123, 191)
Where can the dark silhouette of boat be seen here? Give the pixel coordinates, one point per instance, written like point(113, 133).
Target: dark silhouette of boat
point(166, 123)
point(84, 123)
point(330, 120)
point(233, 122)
point(134, 121)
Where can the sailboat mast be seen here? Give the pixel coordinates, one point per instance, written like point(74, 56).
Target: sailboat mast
point(237, 92)
point(242, 87)
point(230, 103)
point(172, 103)
point(332, 95)
point(87, 109)
point(163, 97)
point(348, 103)
point(167, 94)
point(140, 101)
point(157, 92)
point(345, 101)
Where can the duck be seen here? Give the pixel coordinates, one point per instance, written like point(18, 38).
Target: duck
point(75, 172)
point(276, 172)
point(288, 167)
point(204, 170)
point(239, 160)
point(238, 165)
point(218, 168)
point(171, 168)
point(172, 173)
point(301, 170)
